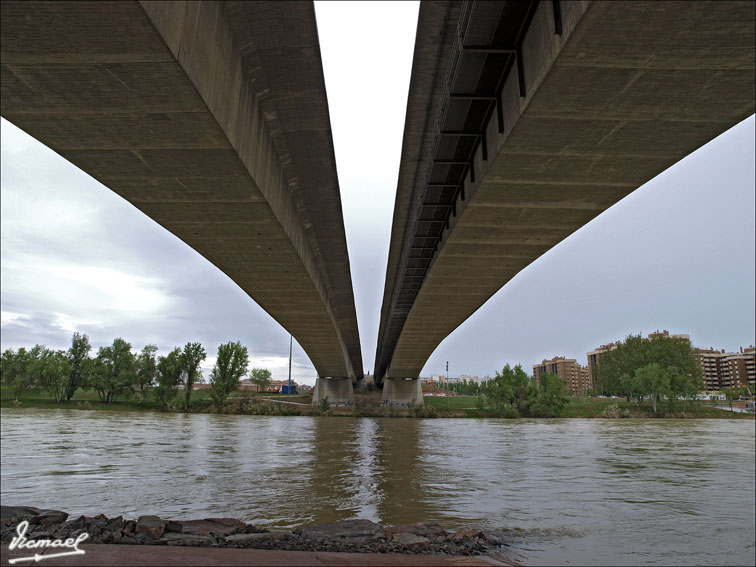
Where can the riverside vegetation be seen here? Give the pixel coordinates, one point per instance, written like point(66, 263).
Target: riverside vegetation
point(635, 379)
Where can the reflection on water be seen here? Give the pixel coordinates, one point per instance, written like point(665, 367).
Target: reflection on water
point(568, 491)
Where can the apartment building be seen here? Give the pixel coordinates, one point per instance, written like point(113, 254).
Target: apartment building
point(666, 334)
point(577, 376)
point(727, 369)
point(593, 362)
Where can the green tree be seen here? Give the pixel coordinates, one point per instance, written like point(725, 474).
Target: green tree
point(191, 358)
point(146, 368)
point(731, 394)
point(169, 371)
point(231, 365)
point(80, 363)
point(115, 371)
point(35, 363)
point(261, 377)
point(54, 373)
point(653, 380)
point(549, 399)
point(15, 366)
point(674, 356)
point(507, 391)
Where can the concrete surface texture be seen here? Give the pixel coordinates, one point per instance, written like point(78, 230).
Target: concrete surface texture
point(626, 90)
point(212, 119)
point(138, 555)
point(338, 391)
point(402, 393)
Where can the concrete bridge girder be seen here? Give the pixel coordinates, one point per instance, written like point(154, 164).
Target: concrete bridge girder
point(212, 119)
point(591, 109)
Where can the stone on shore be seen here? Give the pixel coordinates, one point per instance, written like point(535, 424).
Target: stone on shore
point(49, 517)
point(408, 539)
point(429, 530)
point(35, 516)
point(348, 531)
point(152, 526)
point(212, 526)
point(17, 514)
point(244, 539)
point(346, 536)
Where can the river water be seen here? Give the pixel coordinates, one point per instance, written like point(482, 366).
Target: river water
point(568, 491)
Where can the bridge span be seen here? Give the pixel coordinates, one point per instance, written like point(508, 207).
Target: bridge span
point(212, 119)
point(526, 120)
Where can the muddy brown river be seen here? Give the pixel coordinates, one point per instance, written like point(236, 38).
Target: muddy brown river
point(568, 491)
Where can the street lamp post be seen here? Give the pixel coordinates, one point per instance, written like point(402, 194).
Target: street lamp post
point(290, 342)
point(448, 401)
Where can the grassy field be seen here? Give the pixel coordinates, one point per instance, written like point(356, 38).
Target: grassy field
point(450, 402)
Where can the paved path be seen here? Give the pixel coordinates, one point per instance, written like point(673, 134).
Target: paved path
point(137, 555)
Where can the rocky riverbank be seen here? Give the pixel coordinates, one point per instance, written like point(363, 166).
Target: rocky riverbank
point(354, 536)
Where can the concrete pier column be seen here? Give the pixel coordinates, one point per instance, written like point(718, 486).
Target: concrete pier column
point(338, 390)
point(402, 393)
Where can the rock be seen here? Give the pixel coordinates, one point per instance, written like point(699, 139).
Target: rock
point(250, 529)
point(153, 526)
point(243, 539)
point(129, 528)
point(425, 529)
point(49, 517)
point(472, 535)
point(115, 524)
point(173, 526)
point(76, 523)
point(348, 531)
point(7, 533)
point(17, 514)
point(406, 538)
point(493, 537)
point(208, 526)
point(100, 521)
point(185, 539)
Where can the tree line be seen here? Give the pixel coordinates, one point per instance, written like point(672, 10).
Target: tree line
point(658, 368)
point(116, 371)
point(655, 369)
point(513, 393)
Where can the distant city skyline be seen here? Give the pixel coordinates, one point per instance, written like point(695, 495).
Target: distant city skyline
point(676, 254)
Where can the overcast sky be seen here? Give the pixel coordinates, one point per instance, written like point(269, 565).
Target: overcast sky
point(676, 254)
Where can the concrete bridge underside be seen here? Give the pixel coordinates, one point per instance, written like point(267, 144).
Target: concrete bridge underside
point(527, 120)
point(212, 119)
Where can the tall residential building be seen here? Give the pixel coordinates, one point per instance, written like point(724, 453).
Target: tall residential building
point(593, 362)
point(576, 376)
point(665, 333)
point(727, 369)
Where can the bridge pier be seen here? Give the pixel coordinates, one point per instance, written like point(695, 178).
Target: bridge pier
point(338, 390)
point(402, 393)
